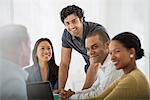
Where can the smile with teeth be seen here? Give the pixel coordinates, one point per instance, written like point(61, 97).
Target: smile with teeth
point(115, 62)
point(46, 55)
point(73, 30)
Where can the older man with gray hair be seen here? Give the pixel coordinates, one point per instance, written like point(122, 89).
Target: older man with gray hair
point(14, 54)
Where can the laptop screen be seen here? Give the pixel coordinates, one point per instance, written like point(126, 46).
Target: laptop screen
point(39, 91)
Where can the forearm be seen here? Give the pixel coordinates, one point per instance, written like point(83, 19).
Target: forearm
point(84, 94)
point(63, 75)
point(93, 91)
point(88, 82)
point(90, 76)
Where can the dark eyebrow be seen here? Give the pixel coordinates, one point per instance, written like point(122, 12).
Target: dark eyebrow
point(90, 46)
point(71, 20)
point(93, 45)
point(117, 49)
point(44, 46)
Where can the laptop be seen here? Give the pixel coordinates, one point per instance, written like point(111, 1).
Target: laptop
point(39, 91)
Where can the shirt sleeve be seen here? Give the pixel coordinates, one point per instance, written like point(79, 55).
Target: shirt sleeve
point(102, 82)
point(93, 91)
point(95, 27)
point(65, 43)
point(119, 89)
point(124, 89)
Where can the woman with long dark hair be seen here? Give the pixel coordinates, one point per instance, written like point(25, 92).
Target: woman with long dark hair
point(44, 67)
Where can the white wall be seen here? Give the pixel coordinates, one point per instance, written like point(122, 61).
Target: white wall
point(5, 12)
point(134, 16)
point(42, 20)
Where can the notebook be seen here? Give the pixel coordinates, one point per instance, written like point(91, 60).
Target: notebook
point(39, 91)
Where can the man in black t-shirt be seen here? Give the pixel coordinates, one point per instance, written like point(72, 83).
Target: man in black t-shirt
point(74, 38)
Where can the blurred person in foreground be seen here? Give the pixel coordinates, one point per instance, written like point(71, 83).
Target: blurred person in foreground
point(14, 54)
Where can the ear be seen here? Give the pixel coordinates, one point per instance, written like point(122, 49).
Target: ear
point(132, 52)
point(23, 46)
point(25, 57)
point(107, 44)
point(23, 50)
point(81, 19)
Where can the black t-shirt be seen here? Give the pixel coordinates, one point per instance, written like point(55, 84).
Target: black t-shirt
point(68, 41)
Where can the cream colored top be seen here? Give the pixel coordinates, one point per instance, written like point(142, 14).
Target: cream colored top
point(131, 86)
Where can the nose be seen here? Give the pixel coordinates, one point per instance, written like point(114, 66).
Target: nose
point(90, 52)
point(71, 26)
point(46, 51)
point(112, 56)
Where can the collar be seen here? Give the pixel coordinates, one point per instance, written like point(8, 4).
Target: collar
point(106, 62)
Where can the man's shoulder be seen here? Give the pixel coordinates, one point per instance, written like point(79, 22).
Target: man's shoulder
point(92, 26)
point(66, 33)
point(8, 65)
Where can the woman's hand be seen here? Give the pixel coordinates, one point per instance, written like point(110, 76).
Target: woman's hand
point(56, 91)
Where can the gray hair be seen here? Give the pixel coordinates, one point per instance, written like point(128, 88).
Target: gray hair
point(11, 37)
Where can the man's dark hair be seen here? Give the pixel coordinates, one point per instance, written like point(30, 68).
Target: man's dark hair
point(101, 32)
point(71, 9)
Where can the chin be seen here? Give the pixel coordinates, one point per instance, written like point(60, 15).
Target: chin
point(96, 61)
point(46, 60)
point(118, 67)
